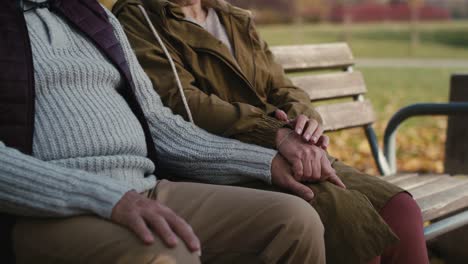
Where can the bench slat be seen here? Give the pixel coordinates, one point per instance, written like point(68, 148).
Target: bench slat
point(441, 185)
point(437, 195)
point(418, 181)
point(394, 177)
point(331, 85)
point(313, 57)
point(346, 115)
point(445, 202)
point(400, 177)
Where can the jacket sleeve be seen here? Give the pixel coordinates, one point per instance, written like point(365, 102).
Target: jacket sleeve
point(236, 120)
point(188, 151)
point(282, 93)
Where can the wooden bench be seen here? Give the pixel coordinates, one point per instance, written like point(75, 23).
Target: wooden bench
point(328, 74)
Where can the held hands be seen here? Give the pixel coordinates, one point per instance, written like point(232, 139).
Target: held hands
point(144, 216)
point(310, 130)
point(309, 163)
point(281, 176)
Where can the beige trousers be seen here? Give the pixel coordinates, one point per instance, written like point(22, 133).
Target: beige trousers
point(235, 225)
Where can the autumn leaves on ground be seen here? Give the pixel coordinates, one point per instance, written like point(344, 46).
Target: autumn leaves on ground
point(420, 148)
point(420, 141)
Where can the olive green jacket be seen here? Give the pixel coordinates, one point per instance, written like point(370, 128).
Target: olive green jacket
point(235, 97)
point(230, 96)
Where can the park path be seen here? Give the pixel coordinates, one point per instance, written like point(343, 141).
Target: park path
point(411, 63)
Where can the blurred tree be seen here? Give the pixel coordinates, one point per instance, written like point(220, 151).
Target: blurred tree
point(347, 18)
point(316, 10)
point(312, 9)
point(415, 6)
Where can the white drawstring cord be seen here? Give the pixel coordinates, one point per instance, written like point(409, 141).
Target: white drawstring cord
point(171, 62)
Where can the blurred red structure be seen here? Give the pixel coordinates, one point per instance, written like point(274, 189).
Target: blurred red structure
point(277, 11)
point(374, 12)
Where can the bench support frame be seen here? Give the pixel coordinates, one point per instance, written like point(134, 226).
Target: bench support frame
point(425, 109)
point(446, 225)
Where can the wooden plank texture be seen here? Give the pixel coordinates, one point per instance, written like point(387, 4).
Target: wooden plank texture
point(313, 57)
point(456, 146)
point(444, 183)
point(414, 182)
point(445, 202)
point(346, 115)
point(437, 195)
point(394, 179)
point(331, 85)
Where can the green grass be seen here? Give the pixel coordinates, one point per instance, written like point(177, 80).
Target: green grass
point(390, 89)
point(399, 87)
point(438, 40)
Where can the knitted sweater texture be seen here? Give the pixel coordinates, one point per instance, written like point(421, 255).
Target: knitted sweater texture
point(89, 148)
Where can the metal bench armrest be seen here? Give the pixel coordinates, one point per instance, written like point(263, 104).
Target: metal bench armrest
point(422, 109)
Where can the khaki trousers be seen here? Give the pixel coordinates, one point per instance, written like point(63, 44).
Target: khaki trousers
point(235, 225)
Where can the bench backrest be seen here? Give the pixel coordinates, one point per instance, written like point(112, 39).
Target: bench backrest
point(327, 73)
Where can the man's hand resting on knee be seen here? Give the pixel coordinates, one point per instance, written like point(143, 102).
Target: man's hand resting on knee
point(146, 216)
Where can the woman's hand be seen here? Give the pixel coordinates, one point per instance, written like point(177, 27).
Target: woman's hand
point(309, 163)
point(309, 129)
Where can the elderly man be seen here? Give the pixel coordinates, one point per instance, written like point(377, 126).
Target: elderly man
point(82, 132)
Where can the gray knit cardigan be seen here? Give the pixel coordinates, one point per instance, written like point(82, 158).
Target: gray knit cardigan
point(89, 148)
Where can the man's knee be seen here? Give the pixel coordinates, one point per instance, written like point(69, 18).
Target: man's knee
point(298, 219)
point(90, 240)
point(296, 231)
point(156, 254)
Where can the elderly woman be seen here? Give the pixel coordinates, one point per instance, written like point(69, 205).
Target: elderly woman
point(208, 63)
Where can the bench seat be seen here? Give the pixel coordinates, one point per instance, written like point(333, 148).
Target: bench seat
point(437, 195)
